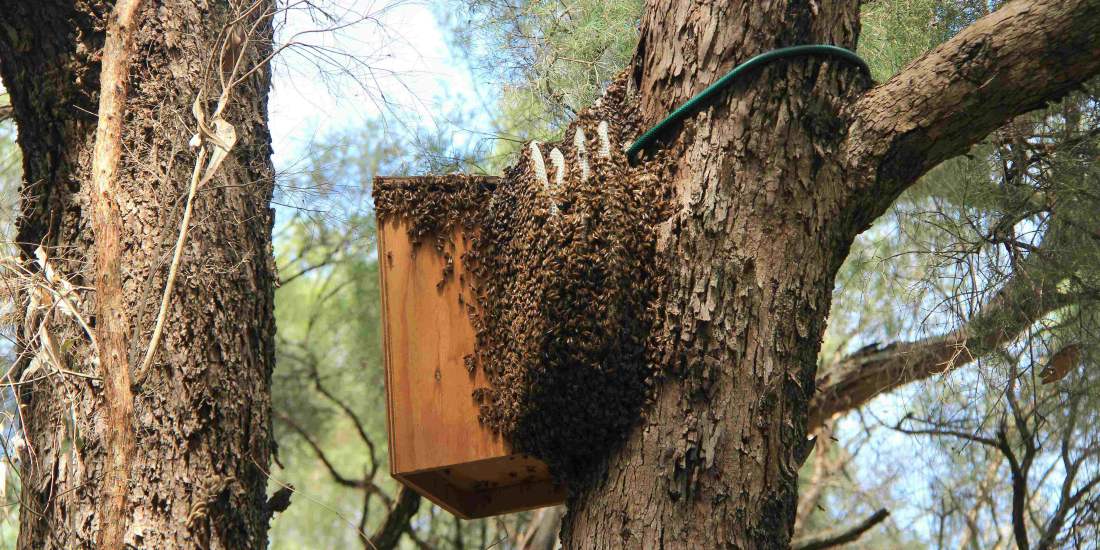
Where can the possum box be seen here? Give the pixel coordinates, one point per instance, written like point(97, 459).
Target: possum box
point(437, 446)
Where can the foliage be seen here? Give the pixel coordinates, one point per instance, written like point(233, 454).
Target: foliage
point(1017, 209)
point(552, 59)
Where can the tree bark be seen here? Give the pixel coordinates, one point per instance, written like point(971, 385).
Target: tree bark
point(775, 179)
point(199, 417)
point(1014, 60)
point(111, 328)
point(751, 256)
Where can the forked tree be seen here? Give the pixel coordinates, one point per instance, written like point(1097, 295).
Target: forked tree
point(775, 178)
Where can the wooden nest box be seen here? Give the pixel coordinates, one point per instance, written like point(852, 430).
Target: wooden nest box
point(437, 446)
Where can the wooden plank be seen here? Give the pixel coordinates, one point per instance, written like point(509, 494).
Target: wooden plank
point(433, 418)
point(386, 361)
point(436, 487)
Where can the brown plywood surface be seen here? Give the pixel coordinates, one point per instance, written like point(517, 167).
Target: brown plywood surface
point(479, 504)
point(437, 446)
point(433, 418)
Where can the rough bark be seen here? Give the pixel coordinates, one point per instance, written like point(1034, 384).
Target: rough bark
point(776, 179)
point(200, 414)
point(1015, 60)
point(751, 256)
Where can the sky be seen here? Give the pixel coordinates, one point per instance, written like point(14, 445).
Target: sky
point(380, 58)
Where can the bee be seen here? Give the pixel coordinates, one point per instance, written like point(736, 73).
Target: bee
point(561, 259)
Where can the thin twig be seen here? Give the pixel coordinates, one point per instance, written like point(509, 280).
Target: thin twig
point(173, 269)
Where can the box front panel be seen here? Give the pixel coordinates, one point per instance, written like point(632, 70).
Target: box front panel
point(432, 415)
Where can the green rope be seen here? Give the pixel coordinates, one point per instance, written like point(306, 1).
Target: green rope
point(766, 57)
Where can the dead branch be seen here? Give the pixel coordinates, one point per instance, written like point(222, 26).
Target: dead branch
point(112, 326)
point(397, 521)
point(831, 540)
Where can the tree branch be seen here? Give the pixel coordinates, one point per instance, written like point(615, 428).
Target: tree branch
point(942, 431)
point(366, 484)
point(830, 540)
point(1010, 62)
point(315, 374)
point(860, 377)
point(1019, 473)
point(397, 521)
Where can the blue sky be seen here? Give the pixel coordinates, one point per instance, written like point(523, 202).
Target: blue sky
point(387, 57)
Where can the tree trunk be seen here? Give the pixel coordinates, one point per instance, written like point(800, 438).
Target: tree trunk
point(775, 179)
point(751, 256)
point(199, 418)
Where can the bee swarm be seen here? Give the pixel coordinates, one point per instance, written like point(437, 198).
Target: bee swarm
point(566, 274)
